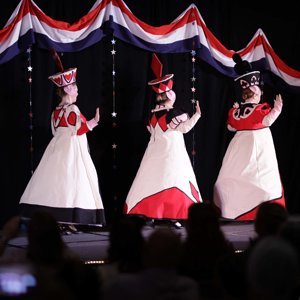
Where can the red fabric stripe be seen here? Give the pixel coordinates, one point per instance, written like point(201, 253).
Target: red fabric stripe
point(7, 31)
point(188, 17)
point(195, 193)
point(163, 122)
point(83, 22)
point(260, 40)
point(168, 204)
point(213, 41)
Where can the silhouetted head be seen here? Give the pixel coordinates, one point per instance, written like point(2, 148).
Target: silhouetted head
point(45, 244)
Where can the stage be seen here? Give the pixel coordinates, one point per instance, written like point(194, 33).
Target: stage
point(91, 243)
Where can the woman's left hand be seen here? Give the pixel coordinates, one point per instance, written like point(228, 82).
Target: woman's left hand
point(97, 115)
point(278, 102)
point(198, 109)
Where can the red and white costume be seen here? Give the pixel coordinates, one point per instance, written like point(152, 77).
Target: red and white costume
point(249, 174)
point(165, 184)
point(65, 182)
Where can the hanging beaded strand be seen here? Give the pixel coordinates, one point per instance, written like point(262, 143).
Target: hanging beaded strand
point(114, 113)
point(193, 101)
point(29, 76)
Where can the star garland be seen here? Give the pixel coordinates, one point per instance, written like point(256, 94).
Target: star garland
point(30, 114)
point(114, 113)
point(193, 101)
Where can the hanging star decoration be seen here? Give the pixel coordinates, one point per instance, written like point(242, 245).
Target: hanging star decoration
point(193, 101)
point(114, 115)
point(193, 78)
point(30, 113)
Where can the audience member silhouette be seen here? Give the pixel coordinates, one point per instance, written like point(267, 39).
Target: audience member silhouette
point(272, 270)
point(205, 245)
point(160, 278)
point(124, 254)
point(270, 217)
point(268, 220)
point(60, 274)
point(203, 265)
point(54, 262)
point(290, 232)
point(10, 230)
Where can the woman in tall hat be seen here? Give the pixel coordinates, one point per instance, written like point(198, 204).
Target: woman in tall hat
point(65, 183)
point(165, 184)
point(249, 173)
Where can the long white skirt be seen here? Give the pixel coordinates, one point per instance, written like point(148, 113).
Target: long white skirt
point(66, 177)
point(249, 174)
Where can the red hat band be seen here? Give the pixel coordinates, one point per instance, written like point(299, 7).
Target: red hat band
point(65, 78)
point(162, 84)
point(163, 87)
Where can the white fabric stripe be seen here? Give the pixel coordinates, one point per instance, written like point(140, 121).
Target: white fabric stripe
point(287, 78)
point(19, 30)
point(14, 14)
point(179, 34)
point(66, 36)
point(259, 53)
point(187, 31)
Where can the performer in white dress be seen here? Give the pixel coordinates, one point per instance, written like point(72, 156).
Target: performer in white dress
point(165, 184)
point(65, 183)
point(249, 173)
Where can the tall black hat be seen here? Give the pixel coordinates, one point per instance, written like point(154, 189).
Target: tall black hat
point(247, 77)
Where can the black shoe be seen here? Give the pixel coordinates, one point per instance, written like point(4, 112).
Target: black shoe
point(72, 228)
point(65, 229)
point(150, 223)
point(177, 224)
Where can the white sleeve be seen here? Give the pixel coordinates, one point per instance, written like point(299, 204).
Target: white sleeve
point(230, 128)
point(186, 126)
point(52, 125)
point(270, 118)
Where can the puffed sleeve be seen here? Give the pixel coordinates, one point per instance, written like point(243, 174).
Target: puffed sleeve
point(76, 120)
point(187, 125)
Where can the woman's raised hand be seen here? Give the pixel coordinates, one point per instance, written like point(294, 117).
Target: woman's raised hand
point(198, 109)
point(97, 115)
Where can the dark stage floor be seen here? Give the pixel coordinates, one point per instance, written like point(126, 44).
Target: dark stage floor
point(91, 245)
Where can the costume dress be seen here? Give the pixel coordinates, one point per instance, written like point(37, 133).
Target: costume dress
point(249, 174)
point(65, 183)
point(165, 184)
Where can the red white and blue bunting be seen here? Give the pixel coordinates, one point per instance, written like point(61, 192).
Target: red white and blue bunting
point(29, 25)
